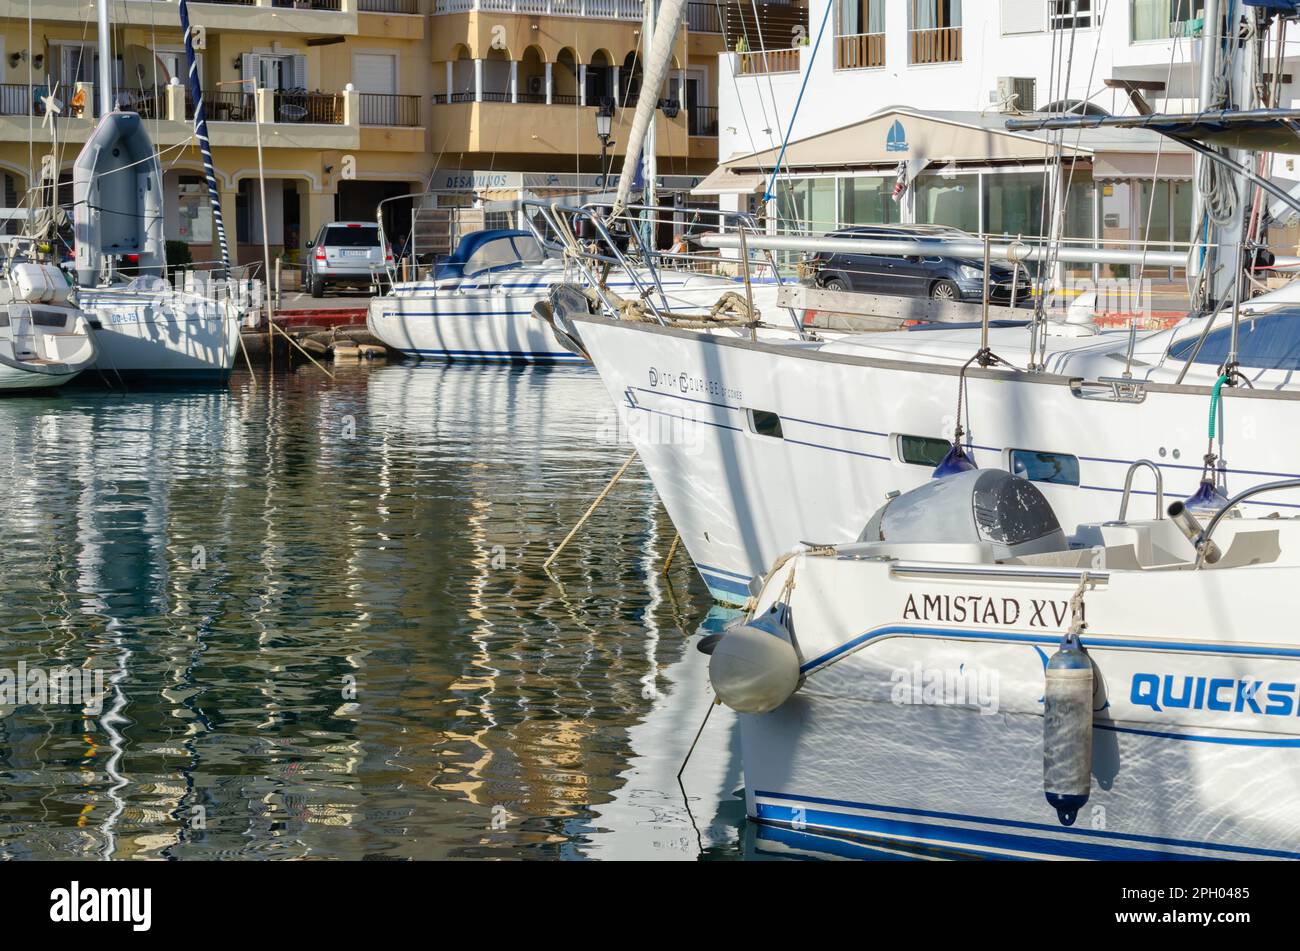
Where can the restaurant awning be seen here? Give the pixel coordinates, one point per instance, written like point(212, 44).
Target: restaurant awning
point(723, 181)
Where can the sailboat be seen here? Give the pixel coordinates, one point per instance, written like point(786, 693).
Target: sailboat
point(45, 340)
point(1006, 690)
point(801, 440)
point(145, 329)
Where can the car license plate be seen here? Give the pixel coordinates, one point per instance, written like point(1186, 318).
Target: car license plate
point(356, 253)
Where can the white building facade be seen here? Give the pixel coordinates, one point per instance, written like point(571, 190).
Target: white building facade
point(971, 63)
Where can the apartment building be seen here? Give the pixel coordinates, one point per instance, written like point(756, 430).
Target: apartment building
point(921, 89)
point(460, 102)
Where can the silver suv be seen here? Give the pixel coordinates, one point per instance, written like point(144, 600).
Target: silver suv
point(345, 252)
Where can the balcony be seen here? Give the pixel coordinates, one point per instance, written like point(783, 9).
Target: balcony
point(941, 45)
point(703, 121)
point(332, 5)
point(589, 9)
point(497, 125)
point(224, 106)
point(860, 51)
point(389, 6)
point(384, 109)
point(765, 62)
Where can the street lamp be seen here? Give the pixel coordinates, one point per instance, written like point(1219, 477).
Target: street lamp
point(604, 125)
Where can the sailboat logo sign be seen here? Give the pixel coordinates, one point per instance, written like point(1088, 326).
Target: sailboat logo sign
point(896, 140)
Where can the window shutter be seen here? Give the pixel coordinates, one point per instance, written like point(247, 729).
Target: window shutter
point(299, 71)
point(248, 69)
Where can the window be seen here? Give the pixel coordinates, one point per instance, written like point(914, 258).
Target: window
point(1055, 467)
point(1013, 203)
point(807, 204)
point(1069, 14)
point(868, 200)
point(1266, 342)
point(348, 236)
point(764, 423)
point(860, 34)
point(1162, 19)
point(4, 318)
point(193, 210)
point(49, 318)
point(921, 450)
point(934, 31)
point(949, 199)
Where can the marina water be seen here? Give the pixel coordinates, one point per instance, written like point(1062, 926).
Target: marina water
point(319, 618)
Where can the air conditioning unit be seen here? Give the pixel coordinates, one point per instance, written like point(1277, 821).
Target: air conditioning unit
point(1015, 93)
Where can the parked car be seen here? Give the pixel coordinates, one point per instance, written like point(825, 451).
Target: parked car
point(345, 253)
point(939, 275)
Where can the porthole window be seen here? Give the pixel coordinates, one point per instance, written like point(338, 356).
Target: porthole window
point(1059, 468)
point(763, 423)
point(921, 450)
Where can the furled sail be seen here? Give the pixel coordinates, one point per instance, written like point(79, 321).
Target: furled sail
point(653, 73)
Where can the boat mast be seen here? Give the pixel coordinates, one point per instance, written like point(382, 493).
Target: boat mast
point(105, 62)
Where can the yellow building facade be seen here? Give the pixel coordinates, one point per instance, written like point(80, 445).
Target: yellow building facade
point(355, 101)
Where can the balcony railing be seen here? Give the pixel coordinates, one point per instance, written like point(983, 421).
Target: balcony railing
point(318, 108)
point(389, 6)
point(17, 99)
point(860, 51)
point(769, 61)
point(221, 105)
point(146, 102)
point(238, 3)
point(942, 45)
point(592, 9)
point(703, 121)
point(702, 17)
point(383, 109)
point(534, 98)
point(308, 4)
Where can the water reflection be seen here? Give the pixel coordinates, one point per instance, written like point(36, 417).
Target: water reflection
point(324, 630)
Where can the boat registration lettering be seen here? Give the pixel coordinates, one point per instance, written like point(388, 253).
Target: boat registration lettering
point(986, 610)
point(681, 381)
point(1162, 692)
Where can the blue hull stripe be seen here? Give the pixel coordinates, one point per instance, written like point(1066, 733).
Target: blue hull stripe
point(1014, 637)
point(1077, 844)
point(718, 583)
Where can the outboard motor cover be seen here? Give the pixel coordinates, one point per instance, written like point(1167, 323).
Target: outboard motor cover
point(980, 505)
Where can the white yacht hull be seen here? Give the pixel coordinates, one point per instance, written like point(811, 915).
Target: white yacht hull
point(485, 323)
point(489, 326)
point(925, 730)
point(162, 338)
point(740, 498)
point(13, 378)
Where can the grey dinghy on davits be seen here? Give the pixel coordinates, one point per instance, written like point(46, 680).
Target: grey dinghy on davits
point(144, 329)
point(117, 188)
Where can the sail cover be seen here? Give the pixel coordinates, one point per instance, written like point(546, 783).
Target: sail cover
point(1260, 130)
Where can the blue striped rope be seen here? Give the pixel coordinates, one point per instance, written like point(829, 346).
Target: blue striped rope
point(201, 133)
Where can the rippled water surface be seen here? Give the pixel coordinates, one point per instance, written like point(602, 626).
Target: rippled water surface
point(324, 629)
